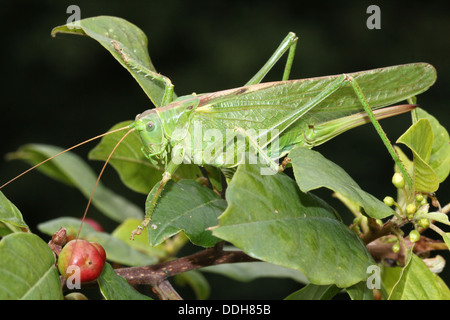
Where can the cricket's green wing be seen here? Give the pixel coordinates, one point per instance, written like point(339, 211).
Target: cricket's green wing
point(264, 106)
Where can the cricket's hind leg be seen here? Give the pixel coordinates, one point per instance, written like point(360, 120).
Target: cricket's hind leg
point(289, 43)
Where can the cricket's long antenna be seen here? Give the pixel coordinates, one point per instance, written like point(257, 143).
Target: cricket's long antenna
point(98, 179)
point(60, 153)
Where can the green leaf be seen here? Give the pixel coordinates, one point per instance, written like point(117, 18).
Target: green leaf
point(132, 40)
point(417, 282)
point(440, 152)
point(185, 206)
point(446, 237)
point(114, 287)
point(402, 196)
point(314, 292)
point(313, 171)
point(6, 229)
point(445, 291)
point(360, 291)
point(271, 220)
point(9, 214)
point(249, 271)
point(134, 169)
point(69, 168)
point(116, 250)
point(27, 269)
point(419, 138)
point(389, 278)
point(436, 216)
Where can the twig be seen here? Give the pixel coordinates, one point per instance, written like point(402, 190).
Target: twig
point(156, 275)
point(382, 248)
point(376, 231)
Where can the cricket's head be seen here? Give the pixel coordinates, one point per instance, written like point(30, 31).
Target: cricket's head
point(150, 128)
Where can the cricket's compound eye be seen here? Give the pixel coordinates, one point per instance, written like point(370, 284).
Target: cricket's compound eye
point(150, 126)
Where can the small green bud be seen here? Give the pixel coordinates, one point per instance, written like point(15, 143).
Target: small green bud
point(398, 181)
point(389, 201)
point(414, 235)
point(419, 198)
point(423, 202)
point(410, 210)
point(424, 223)
point(396, 247)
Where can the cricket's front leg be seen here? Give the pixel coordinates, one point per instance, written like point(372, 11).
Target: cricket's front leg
point(167, 175)
point(135, 65)
point(148, 215)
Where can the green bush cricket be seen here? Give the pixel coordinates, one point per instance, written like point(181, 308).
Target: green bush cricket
point(271, 118)
point(304, 112)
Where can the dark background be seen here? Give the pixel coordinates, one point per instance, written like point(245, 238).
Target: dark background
point(66, 89)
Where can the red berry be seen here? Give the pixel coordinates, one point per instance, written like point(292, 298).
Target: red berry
point(100, 250)
point(88, 256)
